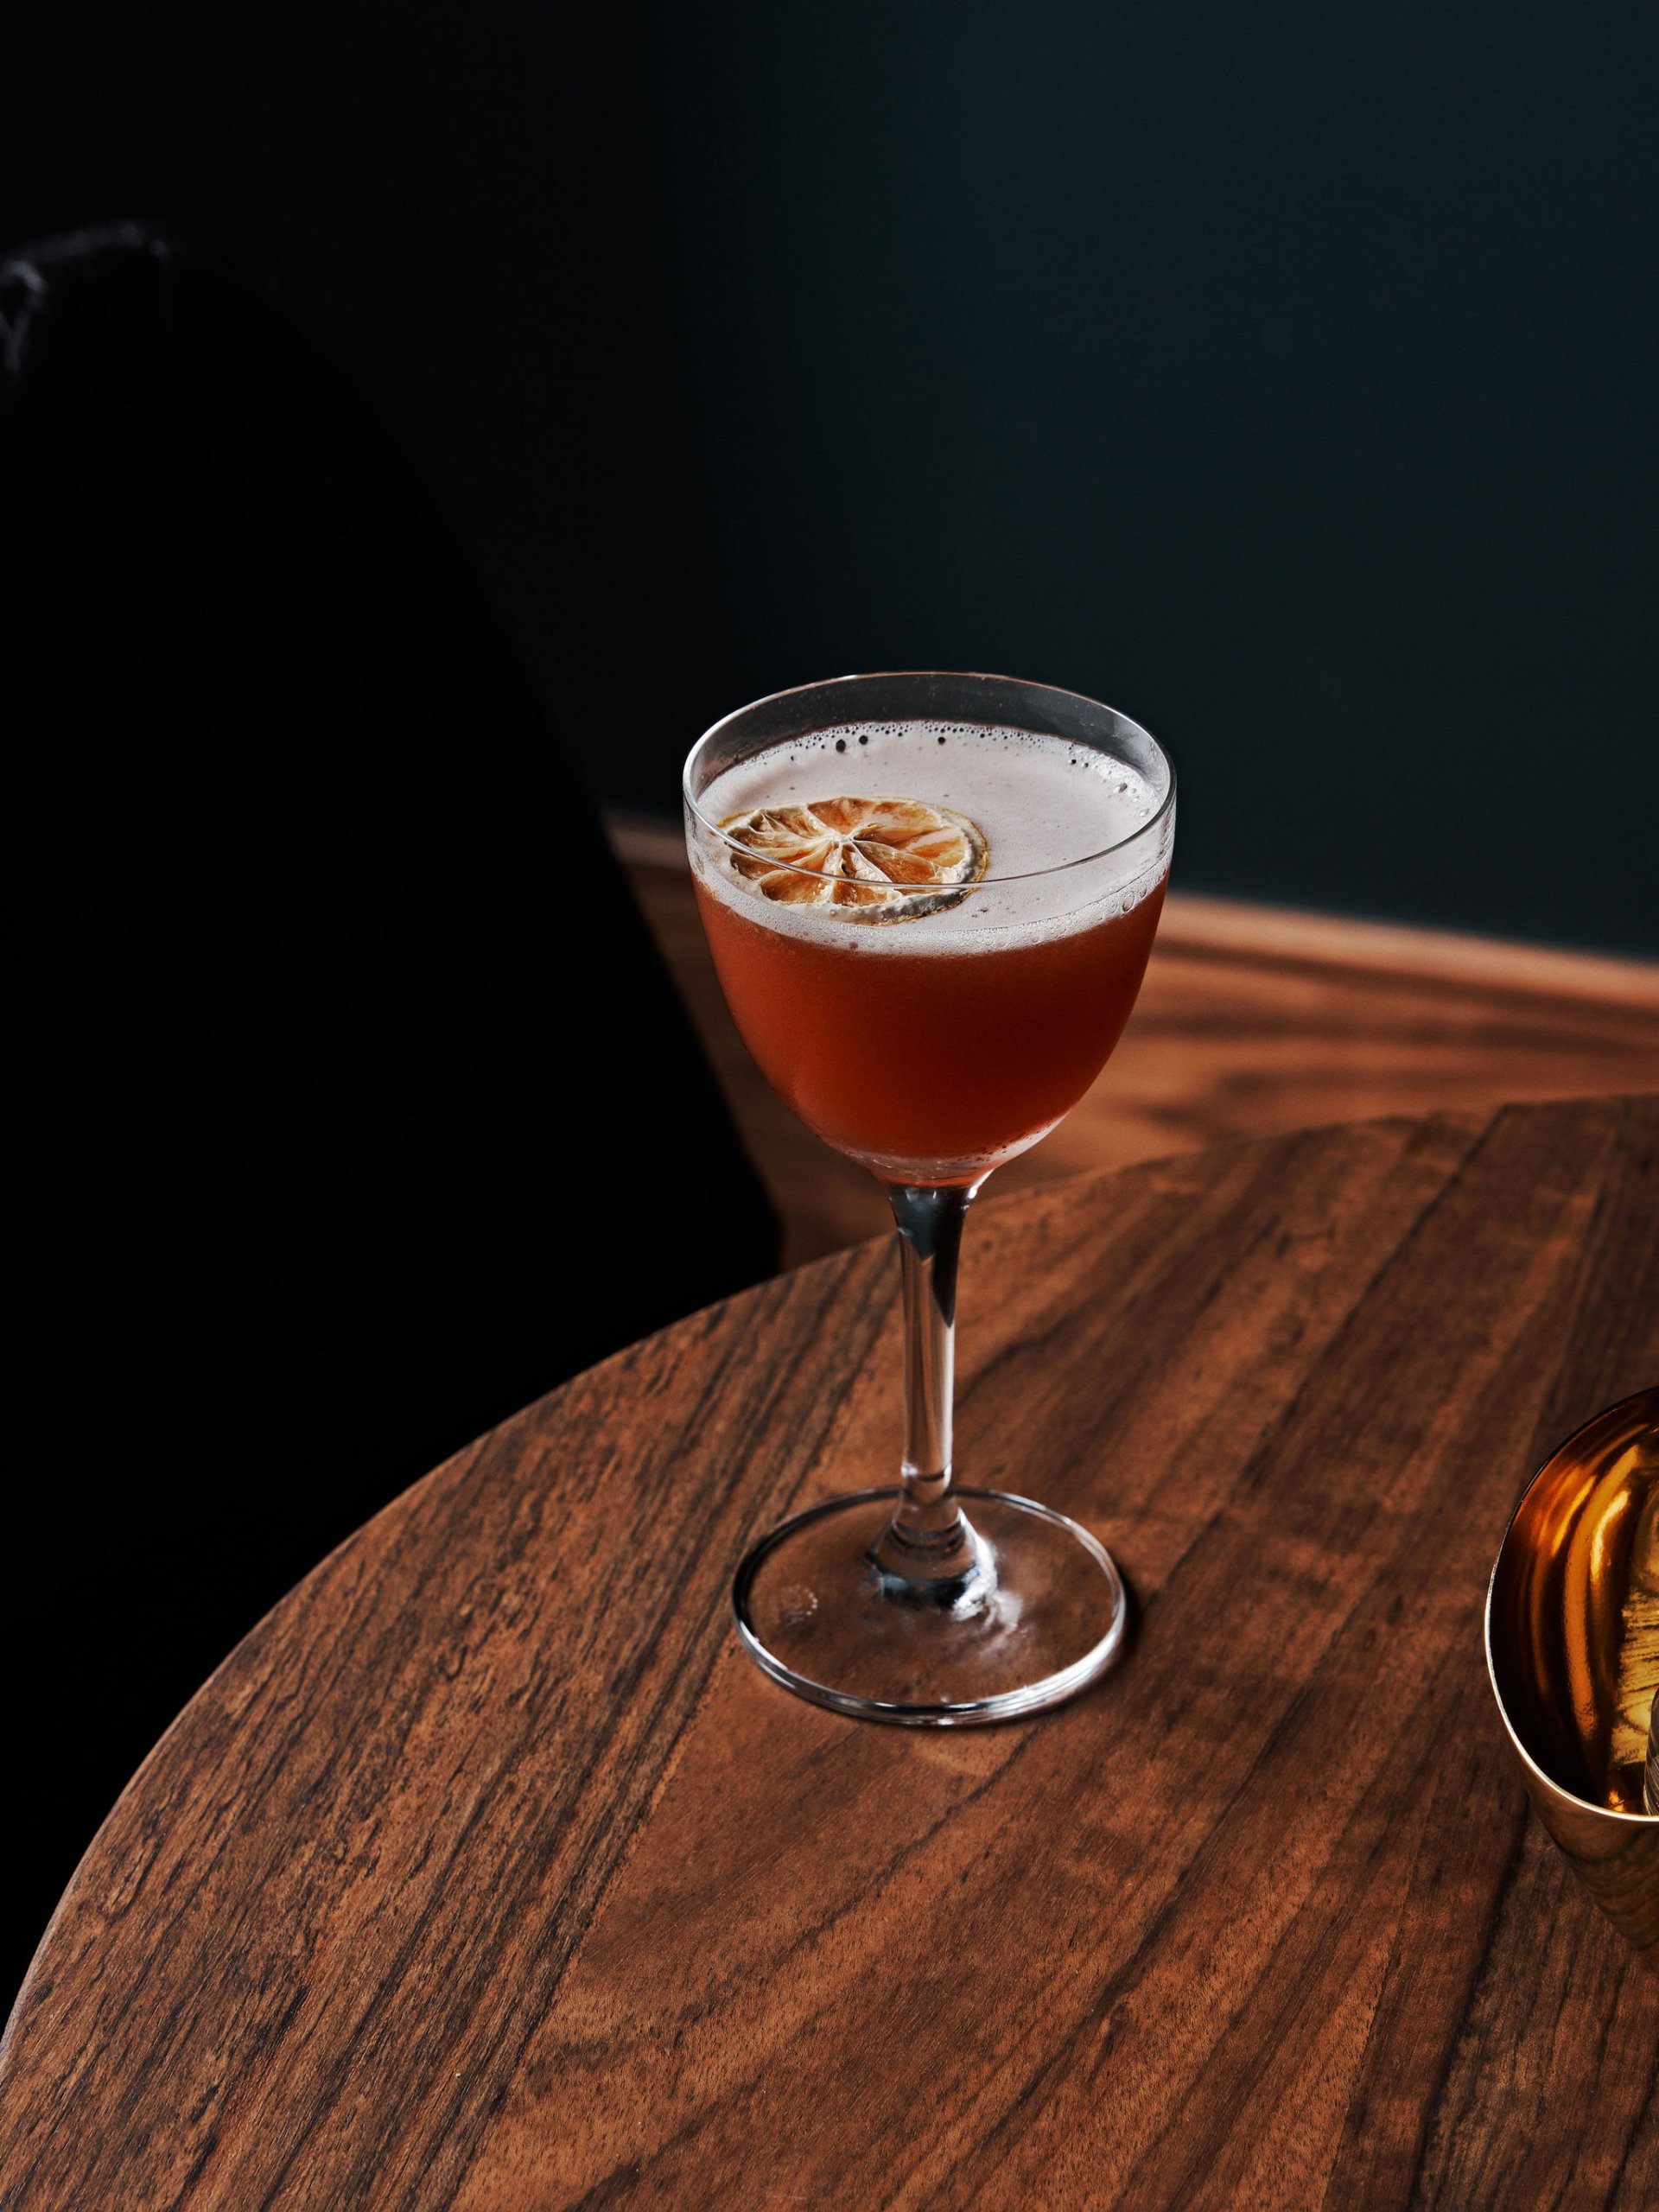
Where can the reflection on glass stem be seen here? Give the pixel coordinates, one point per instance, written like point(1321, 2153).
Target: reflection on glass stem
point(929, 1553)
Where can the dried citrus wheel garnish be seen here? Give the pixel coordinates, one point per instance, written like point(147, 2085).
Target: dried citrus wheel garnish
point(870, 859)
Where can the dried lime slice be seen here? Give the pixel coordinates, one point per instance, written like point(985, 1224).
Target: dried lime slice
point(867, 859)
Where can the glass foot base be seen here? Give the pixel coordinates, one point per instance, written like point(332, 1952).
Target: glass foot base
point(1042, 1614)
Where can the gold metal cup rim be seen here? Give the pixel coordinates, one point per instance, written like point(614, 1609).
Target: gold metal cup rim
point(1569, 1628)
point(1627, 1416)
point(1595, 1449)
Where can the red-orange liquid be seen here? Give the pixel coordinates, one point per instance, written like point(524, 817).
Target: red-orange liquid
point(931, 1057)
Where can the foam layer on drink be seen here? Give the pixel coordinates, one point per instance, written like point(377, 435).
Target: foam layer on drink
point(1047, 807)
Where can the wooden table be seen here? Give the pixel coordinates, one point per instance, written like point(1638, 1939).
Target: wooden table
point(488, 1874)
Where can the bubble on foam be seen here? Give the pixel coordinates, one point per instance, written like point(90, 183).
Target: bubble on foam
point(1062, 826)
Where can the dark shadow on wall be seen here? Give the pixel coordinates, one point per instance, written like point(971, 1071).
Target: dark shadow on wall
point(350, 1108)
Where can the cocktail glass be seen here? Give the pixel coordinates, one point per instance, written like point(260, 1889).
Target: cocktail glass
point(933, 1039)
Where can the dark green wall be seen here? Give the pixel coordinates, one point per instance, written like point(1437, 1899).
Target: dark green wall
point(1285, 376)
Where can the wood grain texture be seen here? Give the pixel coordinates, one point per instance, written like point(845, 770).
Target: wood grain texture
point(1253, 1020)
point(487, 1874)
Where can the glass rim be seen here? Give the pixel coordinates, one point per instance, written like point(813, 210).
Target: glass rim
point(1165, 805)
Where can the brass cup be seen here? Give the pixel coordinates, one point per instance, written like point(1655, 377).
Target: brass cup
point(1573, 1650)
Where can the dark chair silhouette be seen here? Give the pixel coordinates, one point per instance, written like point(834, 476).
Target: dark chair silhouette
point(354, 1107)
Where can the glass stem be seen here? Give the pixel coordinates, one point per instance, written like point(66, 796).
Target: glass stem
point(928, 1541)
